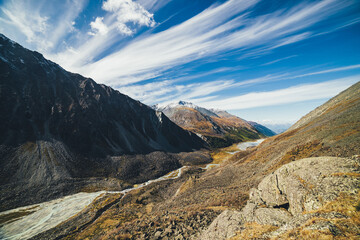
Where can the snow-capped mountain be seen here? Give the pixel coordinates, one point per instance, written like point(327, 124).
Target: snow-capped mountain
point(218, 127)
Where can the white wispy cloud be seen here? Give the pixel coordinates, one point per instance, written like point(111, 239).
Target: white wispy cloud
point(289, 95)
point(167, 91)
point(34, 20)
point(331, 70)
point(279, 60)
point(15, 13)
point(217, 29)
point(119, 22)
point(153, 5)
point(171, 90)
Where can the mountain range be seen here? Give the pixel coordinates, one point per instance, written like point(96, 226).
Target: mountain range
point(218, 127)
point(58, 126)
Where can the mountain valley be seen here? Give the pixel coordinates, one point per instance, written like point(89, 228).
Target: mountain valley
point(122, 170)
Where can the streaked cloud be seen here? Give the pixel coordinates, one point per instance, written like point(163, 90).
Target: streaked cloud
point(31, 25)
point(153, 5)
point(166, 91)
point(35, 20)
point(339, 69)
point(279, 60)
point(289, 95)
point(215, 30)
point(220, 28)
point(171, 90)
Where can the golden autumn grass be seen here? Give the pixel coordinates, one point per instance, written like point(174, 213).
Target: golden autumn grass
point(344, 228)
point(219, 157)
point(224, 154)
point(253, 230)
point(348, 226)
point(186, 186)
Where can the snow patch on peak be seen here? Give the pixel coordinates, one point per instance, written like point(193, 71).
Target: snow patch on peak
point(180, 104)
point(176, 105)
point(162, 107)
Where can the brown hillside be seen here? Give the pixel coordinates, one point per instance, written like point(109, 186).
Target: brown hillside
point(332, 129)
point(181, 208)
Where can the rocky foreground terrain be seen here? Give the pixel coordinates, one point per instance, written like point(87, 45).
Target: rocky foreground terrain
point(310, 198)
point(302, 184)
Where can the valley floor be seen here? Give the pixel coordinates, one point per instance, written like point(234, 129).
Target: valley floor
point(27, 222)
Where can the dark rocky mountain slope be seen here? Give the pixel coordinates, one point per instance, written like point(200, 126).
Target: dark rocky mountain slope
point(57, 125)
point(217, 127)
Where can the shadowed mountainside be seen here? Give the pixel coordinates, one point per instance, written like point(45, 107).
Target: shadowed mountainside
point(56, 125)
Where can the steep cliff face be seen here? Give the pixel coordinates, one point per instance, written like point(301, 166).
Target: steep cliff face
point(58, 125)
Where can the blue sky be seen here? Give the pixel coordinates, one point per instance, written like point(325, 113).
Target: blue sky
point(268, 61)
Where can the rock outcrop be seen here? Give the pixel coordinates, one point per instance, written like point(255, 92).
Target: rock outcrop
point(289, 197)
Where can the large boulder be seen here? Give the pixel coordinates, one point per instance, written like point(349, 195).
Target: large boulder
point(291, 195)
